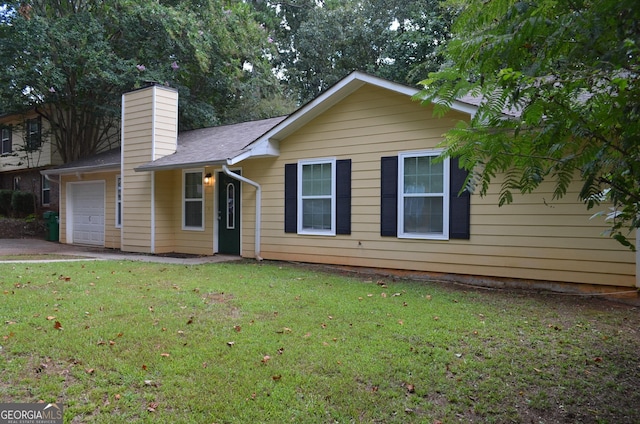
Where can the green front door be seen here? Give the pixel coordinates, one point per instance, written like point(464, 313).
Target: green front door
point(228, 214)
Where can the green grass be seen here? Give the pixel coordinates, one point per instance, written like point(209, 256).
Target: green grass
point(248, 343)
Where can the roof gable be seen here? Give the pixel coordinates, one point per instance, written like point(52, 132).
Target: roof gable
point(269, 142)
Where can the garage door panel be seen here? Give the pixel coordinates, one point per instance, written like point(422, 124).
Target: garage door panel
point(88, 213)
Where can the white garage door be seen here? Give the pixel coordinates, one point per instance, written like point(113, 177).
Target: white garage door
point(87, 210)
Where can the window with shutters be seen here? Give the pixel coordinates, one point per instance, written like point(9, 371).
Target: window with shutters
point(423, 195)
point(318, 197)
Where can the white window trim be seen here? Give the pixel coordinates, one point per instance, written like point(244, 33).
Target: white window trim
point(4, 139)
point(201, 200)
point(445, 201)
point(332, 230)
point(43, 179)
point(118, 201)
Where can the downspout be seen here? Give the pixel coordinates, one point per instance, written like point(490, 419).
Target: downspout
point(52, 180)
point(258, 205)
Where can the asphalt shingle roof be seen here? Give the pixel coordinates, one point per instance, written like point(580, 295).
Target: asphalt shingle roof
point(206, 146)
point(213, 145)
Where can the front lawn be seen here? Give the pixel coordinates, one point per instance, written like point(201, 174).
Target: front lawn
point(122, 342)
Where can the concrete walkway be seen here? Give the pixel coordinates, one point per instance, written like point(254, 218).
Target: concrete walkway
point(13, 247)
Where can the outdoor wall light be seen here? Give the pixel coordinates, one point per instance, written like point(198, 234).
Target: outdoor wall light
point(207, 178)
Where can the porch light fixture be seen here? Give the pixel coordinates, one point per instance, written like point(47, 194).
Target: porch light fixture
point(207, 178)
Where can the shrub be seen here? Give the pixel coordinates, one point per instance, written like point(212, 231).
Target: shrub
point(22, 203)
point(5, 202)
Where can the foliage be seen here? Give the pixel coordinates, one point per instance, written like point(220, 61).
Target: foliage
point(5, 202)
point(22, 203)
point(321, 42)
point(558, 87)
point(121, 342)
point(71, 61)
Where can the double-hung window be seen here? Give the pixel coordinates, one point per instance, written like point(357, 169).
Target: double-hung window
point(423, 200)
point(317, 195)
point(46, 191)
point(193, 201)
point(422, 196)
point(5, 140)
point(34, 133)
point(118, 201)
point(317, 198)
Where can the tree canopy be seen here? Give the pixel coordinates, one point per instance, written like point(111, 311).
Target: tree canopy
point(320, 42)
point(558, 86)
point(71, 60)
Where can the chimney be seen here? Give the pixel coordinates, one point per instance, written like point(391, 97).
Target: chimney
point(149, 132)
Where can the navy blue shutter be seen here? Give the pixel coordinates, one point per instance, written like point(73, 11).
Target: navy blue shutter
point(459, 204)
point(343, 196)
point(291, 198)
point(389, 196)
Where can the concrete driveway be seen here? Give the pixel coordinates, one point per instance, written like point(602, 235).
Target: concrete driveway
point(11, 247)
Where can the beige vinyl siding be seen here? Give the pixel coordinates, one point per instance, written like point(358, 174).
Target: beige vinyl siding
point(197, 242)
point(111, 233)
point(166, 122)
point(136, 150)
point(149, 132)
point(19, 159)
point(166, 186)
point(533, 238)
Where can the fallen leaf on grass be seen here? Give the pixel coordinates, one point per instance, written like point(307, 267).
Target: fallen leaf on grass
point(276, 377)
point(117, 396)
point(90, 371)
point(411, 388)
point(237, 328)
point(265, 359)
point(597, 359)
point(165, 355)
point(230, 344)
point(152, 407)
point(144, 367)
point(50, 318)
point(57, 325)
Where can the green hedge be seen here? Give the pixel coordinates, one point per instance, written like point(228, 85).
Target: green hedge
point(5, 202)
point(22, 203)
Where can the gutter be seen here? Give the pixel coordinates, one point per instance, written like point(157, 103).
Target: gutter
point(258, 205)
point(51, 180)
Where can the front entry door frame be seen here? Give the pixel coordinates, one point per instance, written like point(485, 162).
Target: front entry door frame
point(229, 198)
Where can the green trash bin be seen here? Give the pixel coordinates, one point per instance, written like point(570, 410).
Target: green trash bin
point(52, 225)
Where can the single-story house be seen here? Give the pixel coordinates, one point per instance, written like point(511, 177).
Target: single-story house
point(350, 178)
